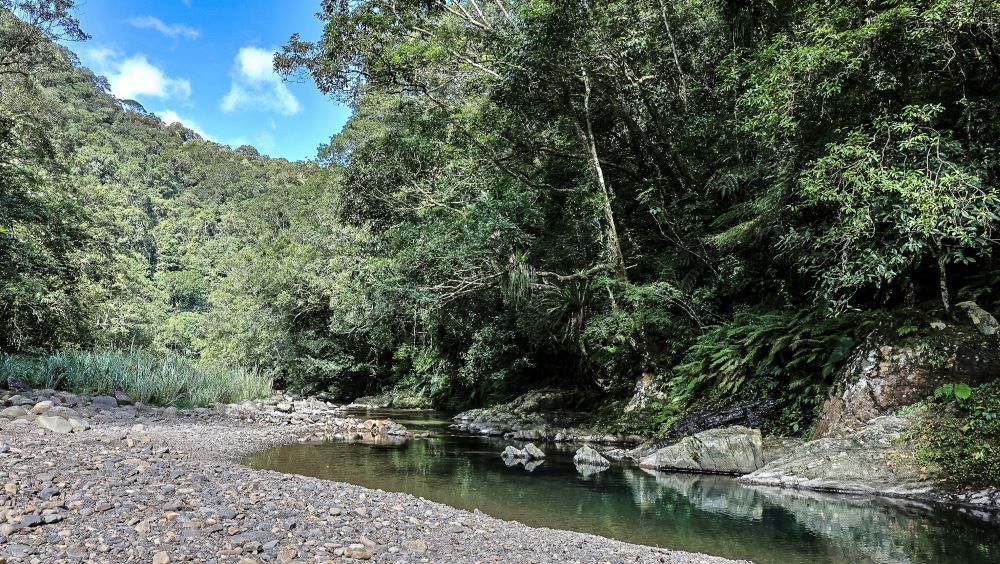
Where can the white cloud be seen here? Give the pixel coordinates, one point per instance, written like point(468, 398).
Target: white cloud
point(170, 30)
point(255, 85)
point(135, 76)
point(170, 116)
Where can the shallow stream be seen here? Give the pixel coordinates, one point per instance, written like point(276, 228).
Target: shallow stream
point(698, 513)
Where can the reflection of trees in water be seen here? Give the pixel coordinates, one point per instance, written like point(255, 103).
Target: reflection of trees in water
point(865, 528)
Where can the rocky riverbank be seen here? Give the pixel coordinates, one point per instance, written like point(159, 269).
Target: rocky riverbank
point(141, 484)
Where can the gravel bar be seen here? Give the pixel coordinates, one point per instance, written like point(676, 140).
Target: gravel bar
point(132, 483)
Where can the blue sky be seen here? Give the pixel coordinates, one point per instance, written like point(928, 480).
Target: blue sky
point(207, 64)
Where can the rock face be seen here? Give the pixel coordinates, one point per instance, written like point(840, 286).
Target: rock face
point(886, 373)
point(748, 413)
point(733, 450)
point(647, 390)
point(874, 460)
point(586, 456)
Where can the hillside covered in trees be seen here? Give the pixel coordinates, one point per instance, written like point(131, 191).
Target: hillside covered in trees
point(724, 197)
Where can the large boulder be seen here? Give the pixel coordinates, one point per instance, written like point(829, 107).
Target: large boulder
point(512, 453)
point(123, 399)
point(103, 402)
point(533, 452)
point(981, 319)
point(733, 450)
point(887, 372)
point(14, 412)
point(586, 456)
point(54, 424)
point(875, 460)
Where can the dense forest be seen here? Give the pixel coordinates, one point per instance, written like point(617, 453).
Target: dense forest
point(723, 196)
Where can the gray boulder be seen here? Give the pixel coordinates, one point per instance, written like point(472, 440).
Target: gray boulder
point(733, 450)
point(41, 407)
point(532, 452)
point(875, 460)
point(14, 412)
point(511, 453)
point(123, 399)
point(285, 407)
point(104, 402)
point(78, 424)
point(54, 424)
point(586, 456)
point(981, 319)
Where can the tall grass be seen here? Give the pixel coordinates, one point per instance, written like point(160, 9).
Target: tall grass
point(146, 377)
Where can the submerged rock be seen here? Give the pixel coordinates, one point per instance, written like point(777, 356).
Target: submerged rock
point(587, 470)
point(586, 456)
point(733, 450)
point(875, 460)
point(532, 464)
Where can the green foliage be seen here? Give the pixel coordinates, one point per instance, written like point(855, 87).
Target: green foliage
point(960, 441)
point(527, 194)
point(958, 392)
point(155, 379)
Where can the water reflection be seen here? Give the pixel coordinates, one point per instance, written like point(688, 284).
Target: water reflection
point(702, 513)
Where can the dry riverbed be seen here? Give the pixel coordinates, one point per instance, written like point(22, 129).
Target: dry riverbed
point(157, 485)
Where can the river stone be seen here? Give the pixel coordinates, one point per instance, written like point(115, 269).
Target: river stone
point(41, 407)
point(122, 398)
point(586, 456)
point(78, 424)
point(14, 412)
point(532, 452)
point(55, 424)
point(104, 402)
point(284, 407)
point(876, 460)
point(733, 450)
point(512, 453)
point(417, 546)
point(60, 411)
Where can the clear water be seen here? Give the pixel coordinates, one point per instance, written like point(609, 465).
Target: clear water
point(699, 513)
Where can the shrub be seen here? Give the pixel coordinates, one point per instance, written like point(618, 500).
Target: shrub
point(961, 440)
point(155, 379)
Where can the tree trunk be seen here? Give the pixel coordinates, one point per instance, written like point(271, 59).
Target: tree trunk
point(614, 246)
point(943, 272)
